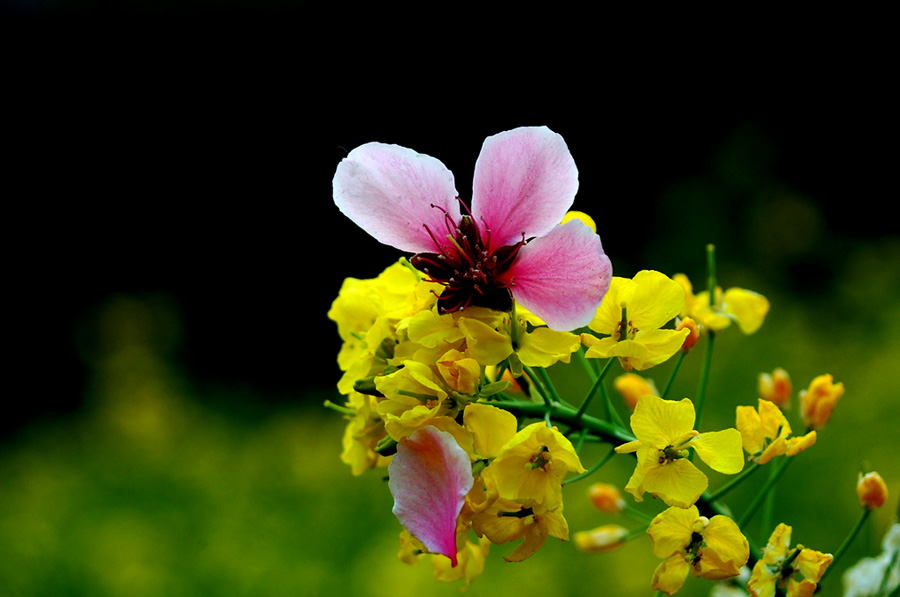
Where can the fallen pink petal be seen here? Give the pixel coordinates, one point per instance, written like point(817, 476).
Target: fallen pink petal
point(430, 476)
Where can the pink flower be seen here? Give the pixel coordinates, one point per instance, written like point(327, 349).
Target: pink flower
point(509, 246)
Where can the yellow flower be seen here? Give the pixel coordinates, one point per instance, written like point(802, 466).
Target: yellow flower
point(746, 308)
point(780, 564)
point(712, 548)
point(361, 435)
point(471, 560)
point(507, 520)
point(460, 372)
point(631, 316)
point(665, 431)
point(775, 387)
point(872, 490)
point(606, 498)
point(818, 401)
point(632, 386)
point(602, 539)
point(766, 433)
point(531, 467)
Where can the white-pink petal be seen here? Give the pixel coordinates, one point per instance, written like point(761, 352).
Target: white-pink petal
point(388, 191)
point(525, 181)
point(430, 476)
point(563, 276)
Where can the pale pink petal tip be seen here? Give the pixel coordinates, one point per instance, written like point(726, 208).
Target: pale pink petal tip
point(430, 476)
point(563, 277)
point(393, 193)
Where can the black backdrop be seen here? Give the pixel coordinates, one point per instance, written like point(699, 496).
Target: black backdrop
point(193, 155)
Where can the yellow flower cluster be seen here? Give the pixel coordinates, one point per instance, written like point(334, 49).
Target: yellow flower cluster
point(407, 366)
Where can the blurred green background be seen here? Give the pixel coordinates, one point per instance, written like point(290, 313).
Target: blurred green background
point(177, 249)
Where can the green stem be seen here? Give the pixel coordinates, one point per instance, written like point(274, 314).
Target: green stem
point(707, 359)
point(536, 384)
point(591, 470)
point(637, 514)
point(773, 478)
point(338, 408)
point(847, 541)
point(678, 362)
point(609, 432)
point(594, 389)
point(704, 377)
point(548, 384)
point(734, 482)
point(586, 363)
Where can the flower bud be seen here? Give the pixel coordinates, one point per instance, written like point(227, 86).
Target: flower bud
point(606, 498)
point(872, 490)
point(817, 402)
point(775, 387)
point(601, 539)
point(632, 386)
point(693, 336)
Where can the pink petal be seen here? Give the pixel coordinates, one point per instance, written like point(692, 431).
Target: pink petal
point(430, 476)
point(563, 276)
point(525, 181)
point(388, 191)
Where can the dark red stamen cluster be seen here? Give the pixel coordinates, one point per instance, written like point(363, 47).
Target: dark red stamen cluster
point(472, 274)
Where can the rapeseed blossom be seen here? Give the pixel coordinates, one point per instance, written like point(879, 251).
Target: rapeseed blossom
point(766, 433)
point(630, 320)
point(712, 548)
point(665, 431)
point(746, 308)
point(510, 246)
point(796, 571)
point(817, 402)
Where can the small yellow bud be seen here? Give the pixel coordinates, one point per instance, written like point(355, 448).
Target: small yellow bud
point(606, 498)
point(872, 490)
point(775, 387)
point(601, 539)
point(693, 336)
point(818, 401)
point(632, 386)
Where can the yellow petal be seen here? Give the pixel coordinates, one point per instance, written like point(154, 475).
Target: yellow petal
point(721, 450)
point(484, 343)
point(656, 300)
point(723, 537)
point(671, 574)
point(491, 427)
point(748, 308)
point(609, 313)
point(660, 423)
point(544, 347)
point(749, 425)
point(670, 532)
point(678, 483)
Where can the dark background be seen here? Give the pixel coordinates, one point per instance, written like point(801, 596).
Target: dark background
point(190, 153)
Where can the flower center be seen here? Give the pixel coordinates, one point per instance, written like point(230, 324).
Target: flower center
point(539, 459)
point(471, 273)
